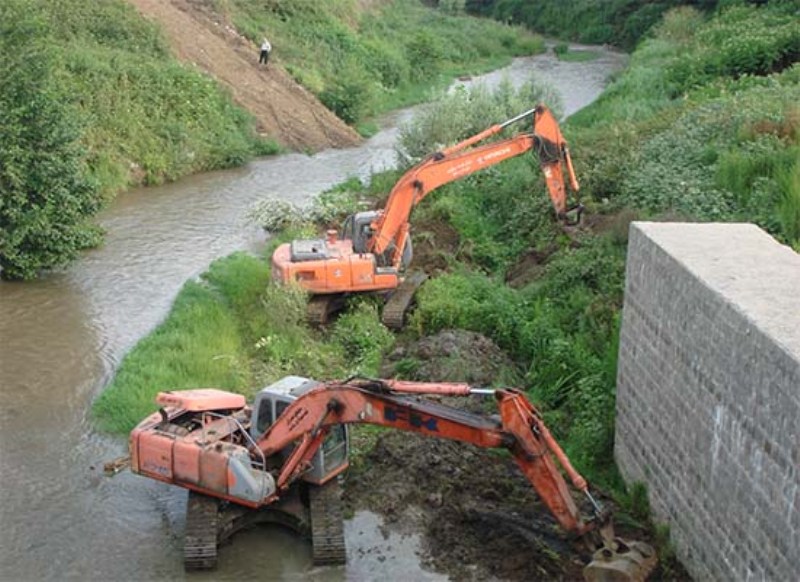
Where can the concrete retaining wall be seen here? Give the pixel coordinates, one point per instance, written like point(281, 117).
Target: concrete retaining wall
point(708, 394)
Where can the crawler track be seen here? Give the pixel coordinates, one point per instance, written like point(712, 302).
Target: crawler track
point(321, 307)
point(208, 523)
point(200, 543)
point(395, 309)
point(327, 525)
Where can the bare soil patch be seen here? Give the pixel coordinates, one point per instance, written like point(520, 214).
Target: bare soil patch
point(434, 244)
point(479, 516)
point(284, 110)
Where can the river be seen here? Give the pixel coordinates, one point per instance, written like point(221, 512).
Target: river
point(63, 336)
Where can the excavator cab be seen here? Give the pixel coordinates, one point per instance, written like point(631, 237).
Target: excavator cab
point(358, 228)
point(332, 457)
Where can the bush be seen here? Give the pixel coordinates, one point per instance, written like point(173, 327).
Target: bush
point(619, 22)
point(93, 103)
point(743, 40)
point(727, 159)
point(350, 96)
point(362, 337)
point(47, 196)
point(464, 113)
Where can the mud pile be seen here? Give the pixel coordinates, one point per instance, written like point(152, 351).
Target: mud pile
point(479, 516)
point(451, 356)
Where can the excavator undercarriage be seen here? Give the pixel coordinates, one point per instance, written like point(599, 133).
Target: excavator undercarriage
point(312, 511)
point(322, 308)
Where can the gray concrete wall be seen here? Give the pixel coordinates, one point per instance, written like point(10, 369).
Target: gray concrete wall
point(708, 394)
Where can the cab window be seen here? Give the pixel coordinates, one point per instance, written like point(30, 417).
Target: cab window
point(265, 417)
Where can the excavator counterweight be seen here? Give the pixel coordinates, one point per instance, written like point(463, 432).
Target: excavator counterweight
point(278, 460)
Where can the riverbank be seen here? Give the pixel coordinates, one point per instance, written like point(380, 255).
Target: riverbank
point(97, 98)
point(727, 150)
point(81, 323)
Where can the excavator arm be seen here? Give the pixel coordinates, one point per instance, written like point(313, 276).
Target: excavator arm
point(394, 404)
point(390, 229)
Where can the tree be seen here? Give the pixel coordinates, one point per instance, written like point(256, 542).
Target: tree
point(46, 195)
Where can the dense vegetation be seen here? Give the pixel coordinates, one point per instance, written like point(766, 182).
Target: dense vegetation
point(688, 132)
point(617, 22)
point(93, 102)
point(361, 62)
point(724, 145)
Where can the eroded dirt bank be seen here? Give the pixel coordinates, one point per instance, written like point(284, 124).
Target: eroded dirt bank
point(283, 109)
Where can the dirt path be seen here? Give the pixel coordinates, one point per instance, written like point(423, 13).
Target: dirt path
point(283, 109)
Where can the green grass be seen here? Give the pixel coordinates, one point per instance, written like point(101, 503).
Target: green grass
point(147, 118)
point(619, 22)
point(114, 109)
point(361, 63)
point(199, 345)
point(724, 150)
point(234, 330)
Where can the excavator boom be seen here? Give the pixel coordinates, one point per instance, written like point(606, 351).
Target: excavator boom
point(462, 159)
point(388, 403)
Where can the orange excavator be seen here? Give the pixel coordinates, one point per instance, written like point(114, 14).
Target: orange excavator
point(374, 250)
point(278, 460)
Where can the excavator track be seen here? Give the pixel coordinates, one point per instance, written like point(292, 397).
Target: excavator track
point(396, 307)
point(327, 524)
point(320, 308)
point(200, 542)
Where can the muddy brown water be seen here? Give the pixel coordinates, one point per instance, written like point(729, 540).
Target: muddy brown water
point(62, 337)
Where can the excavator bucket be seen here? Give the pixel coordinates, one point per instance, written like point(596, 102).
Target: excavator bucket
point(621, 561)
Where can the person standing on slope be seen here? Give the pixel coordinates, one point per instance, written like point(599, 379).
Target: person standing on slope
point(266, 48)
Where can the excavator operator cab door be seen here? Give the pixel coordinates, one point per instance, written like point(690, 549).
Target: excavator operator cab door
point(357, 229)
point(273, 400)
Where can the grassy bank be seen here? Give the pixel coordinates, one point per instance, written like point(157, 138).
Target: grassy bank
point(361, 62)
point(93, 103)
point(232, 330)
point(621, 23)
point(664, 141)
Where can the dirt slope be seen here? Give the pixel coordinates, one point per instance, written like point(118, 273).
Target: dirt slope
point(284, 110)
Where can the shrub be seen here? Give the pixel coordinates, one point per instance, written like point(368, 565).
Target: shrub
point(743, 40)
point(47, 196)
point(276, 215)
point(362, 337)
point(350, 96)
point(463, 113)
